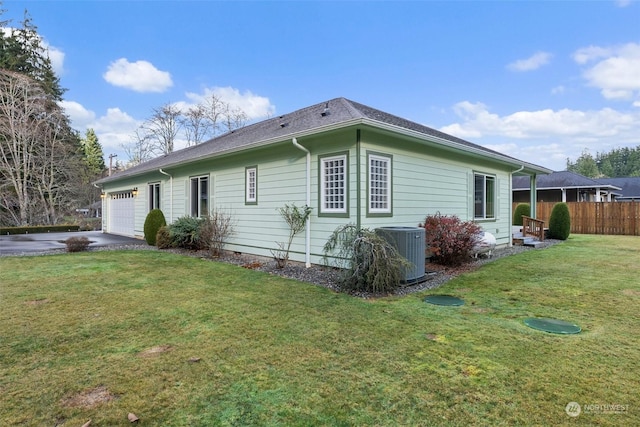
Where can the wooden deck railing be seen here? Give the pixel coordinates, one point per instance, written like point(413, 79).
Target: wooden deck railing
point(533, 227)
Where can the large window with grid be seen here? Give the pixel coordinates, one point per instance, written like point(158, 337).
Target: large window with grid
point(200, 196)
point(333, 184)
point(154, 196)
point(251, 185)
point(484, 196)
point(379, 179)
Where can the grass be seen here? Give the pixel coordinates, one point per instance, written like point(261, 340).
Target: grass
point(186, 342)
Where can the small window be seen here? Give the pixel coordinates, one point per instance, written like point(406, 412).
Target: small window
point(333, 184)
point(200, 196)
point(379, 171)
point(251, 185)
point(154, 196)
point(484, 196)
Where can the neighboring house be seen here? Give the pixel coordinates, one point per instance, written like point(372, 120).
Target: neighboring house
point(629, 188)
point(564, 186)
point(349, 162)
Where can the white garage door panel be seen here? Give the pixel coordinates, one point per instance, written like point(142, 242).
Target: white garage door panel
point(121, 214)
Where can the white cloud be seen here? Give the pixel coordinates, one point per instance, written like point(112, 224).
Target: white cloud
point(623, 3)
point(534, 62)
point(113, 129)
point(613, 70)
point(546, 137)
point(253, 105)
point(558, 90)
point(140, 76)
point(80, 116)
point(56, 56)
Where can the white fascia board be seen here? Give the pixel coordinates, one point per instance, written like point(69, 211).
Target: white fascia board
point(530, 167)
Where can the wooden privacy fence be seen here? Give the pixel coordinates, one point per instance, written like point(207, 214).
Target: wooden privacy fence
point(597, 217)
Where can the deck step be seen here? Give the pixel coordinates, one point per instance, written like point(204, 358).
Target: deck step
point(526, 241)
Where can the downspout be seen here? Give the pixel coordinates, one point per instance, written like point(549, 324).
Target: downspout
point(511, 203)
point(358, 201)
point(307, 254)
point(170, 194)
point(102, 202)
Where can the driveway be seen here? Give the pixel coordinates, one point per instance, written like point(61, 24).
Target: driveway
point(42, 242)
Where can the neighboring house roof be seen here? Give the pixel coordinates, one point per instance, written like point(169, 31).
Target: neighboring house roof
point(560, 180)
point(334, 114)
point(630, 186)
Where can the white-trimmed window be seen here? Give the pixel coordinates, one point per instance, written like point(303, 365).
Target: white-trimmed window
point(251, 185)
point(484, 196)
point(333, 184)
point(200, 196)
point(379, 171)
point(154, 196)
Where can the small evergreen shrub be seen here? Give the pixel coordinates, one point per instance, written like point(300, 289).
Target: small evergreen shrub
point(369, 262)
point(450, 239)
point(560, 222)
point(520, 210)
point(77, 244)
point(185, 233)
point(152, 223)
point(163, 238)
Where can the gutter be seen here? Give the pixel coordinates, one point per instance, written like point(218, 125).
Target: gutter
point(170, 194)
point(307, 227)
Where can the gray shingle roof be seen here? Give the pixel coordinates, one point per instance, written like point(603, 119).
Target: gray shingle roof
point(341, 112)
point(562, 179)
point(630, 186)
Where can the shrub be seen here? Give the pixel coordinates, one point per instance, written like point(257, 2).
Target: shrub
point(163, 238)
point(296, 219)
point(370, 263)
point(77, 244)
point(560, 222)
point(215, 230)
point(450, 239)
point(184, 233)
point(153, 222)
point(521, 209)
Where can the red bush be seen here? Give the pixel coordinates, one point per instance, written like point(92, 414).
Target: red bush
point(450, 239)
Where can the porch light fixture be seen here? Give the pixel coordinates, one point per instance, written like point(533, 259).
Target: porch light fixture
point(103, 195)
point(134, 192)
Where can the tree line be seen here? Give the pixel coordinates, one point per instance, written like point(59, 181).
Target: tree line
point(617, 163)
point(46, 167)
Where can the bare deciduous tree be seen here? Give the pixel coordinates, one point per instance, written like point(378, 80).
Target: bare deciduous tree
point(35, 157)
point(196, 125)
point(163, 127)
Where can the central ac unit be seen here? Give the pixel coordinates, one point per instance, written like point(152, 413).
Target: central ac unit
point(410, 243)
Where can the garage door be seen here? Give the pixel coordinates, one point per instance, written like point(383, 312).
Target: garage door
point(121, 217)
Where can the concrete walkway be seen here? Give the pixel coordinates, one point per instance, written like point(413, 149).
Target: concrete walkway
point(42, 242)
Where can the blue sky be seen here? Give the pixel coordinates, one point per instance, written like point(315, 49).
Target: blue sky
point(538, 80)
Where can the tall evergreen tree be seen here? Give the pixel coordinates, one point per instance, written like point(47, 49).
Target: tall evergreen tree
point(22, 51)
point(93, 154)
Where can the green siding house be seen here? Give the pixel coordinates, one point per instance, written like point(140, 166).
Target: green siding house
point(349, 162)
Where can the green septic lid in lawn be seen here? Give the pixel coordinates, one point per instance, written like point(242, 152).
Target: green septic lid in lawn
point(447, 300)
point(554, 326)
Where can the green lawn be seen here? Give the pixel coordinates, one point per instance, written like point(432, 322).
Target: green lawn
point(97, 335)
